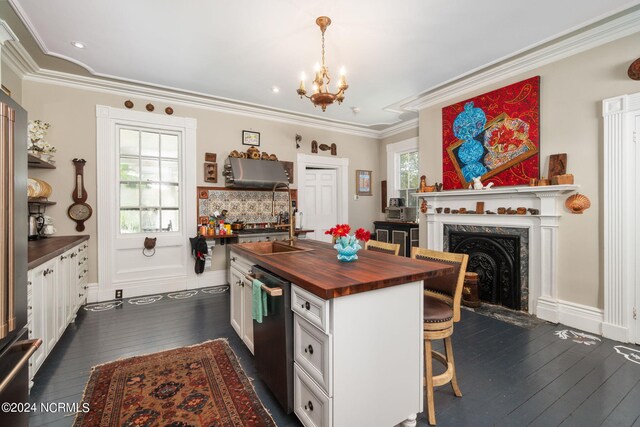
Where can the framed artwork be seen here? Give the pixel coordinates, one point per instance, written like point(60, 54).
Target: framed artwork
point(363, 183)
point(250, 138)
point(494, 136)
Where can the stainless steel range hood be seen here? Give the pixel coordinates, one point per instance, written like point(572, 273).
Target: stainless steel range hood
point(248, 173)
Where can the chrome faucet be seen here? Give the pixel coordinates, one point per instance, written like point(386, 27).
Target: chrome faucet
point(291, 217)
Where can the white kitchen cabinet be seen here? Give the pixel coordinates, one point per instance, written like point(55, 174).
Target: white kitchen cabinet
point(241, 316)
point(56, 290)
point(353, 364)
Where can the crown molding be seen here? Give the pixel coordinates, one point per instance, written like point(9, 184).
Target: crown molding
point(19, 60)
point(595, 36)
point(399, 128)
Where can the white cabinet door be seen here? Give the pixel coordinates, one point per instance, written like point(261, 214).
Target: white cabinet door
point(235, 284)
point(38, 316)
point(62, 292)
point(247, 314)
point(50, 284)
point(71, 285)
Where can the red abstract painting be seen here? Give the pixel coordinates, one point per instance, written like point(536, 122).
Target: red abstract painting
point(494, 136)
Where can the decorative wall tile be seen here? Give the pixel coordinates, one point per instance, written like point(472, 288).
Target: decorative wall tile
point(244, 205)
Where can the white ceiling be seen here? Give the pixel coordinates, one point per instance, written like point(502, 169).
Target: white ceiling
point(239, 49)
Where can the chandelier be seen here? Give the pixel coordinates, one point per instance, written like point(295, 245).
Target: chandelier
point(321, 95)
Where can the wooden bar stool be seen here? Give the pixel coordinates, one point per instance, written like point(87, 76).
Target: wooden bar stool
point(387, 248)
point(442, 296)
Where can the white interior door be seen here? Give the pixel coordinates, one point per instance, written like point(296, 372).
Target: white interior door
point(636, 313)
point(320, 210)
point(146, 182)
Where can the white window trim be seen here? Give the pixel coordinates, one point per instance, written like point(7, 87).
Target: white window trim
point(393, 163)
point(107, 119)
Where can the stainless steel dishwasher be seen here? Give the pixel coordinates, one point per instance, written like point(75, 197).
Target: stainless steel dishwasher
point(273, 340)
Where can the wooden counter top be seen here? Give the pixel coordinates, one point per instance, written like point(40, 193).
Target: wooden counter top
point(319, 271)
point(41, 251)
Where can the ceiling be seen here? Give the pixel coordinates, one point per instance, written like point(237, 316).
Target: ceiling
point(239, 50)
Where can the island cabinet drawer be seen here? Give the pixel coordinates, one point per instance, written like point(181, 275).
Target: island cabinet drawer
point(310, 307)
point(243, 265)
point(312, 351)
point(310, 404)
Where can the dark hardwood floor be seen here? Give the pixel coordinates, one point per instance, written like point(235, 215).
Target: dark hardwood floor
point(508, 375)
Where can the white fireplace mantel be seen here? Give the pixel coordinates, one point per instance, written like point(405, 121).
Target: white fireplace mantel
point(543, 230)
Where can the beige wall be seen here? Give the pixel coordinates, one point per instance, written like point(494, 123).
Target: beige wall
point(571, 121)
point(71, 113)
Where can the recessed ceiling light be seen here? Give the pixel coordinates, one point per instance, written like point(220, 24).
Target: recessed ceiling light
point(275, 89)
point(78, 45)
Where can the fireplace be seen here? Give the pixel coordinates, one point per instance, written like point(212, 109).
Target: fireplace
point(500, 257)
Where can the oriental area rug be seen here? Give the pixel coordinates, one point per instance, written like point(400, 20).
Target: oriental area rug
point(202, 385)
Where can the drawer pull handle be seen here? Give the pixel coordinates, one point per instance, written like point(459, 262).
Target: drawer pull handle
point(309, 405)
point(307, 305)
point(309, 349)
point(233, 259)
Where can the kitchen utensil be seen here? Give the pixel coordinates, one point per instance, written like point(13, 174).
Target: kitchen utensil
point(237, 225)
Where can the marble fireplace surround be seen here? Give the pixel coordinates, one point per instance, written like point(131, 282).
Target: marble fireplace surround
point(542, 231)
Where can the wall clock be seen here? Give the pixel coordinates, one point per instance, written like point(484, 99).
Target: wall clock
point(79, 211)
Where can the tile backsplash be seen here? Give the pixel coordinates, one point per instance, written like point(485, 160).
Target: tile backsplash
point(250, 206)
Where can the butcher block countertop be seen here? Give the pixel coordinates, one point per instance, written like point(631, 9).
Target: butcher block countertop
point(318, 270)
point(41, 251)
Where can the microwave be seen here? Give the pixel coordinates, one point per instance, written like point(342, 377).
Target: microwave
point(400, 213)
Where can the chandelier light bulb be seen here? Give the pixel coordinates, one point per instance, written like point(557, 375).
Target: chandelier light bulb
point(343, 71)
point(303, 76)
point(316, 67)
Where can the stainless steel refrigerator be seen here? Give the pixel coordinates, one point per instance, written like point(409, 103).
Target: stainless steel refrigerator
point(15, 346)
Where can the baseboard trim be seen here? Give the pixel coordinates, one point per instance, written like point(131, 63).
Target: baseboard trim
point(156, 286)
point(583, 317)
point(616, 332)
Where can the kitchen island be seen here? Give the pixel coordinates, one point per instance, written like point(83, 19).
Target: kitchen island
point(357, 330)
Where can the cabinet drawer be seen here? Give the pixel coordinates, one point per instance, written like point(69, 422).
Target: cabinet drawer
point(241, 264)
point(310, 404)
point(312, 351)
point(310, 307)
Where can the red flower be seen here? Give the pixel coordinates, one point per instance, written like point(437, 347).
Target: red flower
point(340, 230)
point(362, 234)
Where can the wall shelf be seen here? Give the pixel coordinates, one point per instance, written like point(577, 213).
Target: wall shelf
point(40, 201)
point(36, 162)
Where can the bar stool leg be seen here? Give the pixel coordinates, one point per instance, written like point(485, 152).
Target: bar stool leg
point(428, 369)
point(449, 352)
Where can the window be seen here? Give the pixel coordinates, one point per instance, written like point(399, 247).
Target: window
point(149, 184)
point(409, 179)
point(403, 170)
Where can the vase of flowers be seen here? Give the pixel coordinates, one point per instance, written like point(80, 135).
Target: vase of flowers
point(348, 245)
point(38, 145)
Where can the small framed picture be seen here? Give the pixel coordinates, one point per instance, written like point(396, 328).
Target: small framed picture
point(363, 183)
point(250, 138)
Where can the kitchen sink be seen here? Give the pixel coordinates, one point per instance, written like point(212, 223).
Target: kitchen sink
point(271, 248)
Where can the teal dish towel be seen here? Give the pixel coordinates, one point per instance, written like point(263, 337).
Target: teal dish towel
point(259, 301)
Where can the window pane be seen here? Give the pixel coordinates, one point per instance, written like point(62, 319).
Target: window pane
point(129, 221)
point(150, 170)
point(170, 196)
point(129, 169)
point(169, 146)
point(150, 195)
point(150, 144)
point(409, 170)
point(403, 179)
point(129, 195)
point(129, 142)
point(150, 219)
point(169, 171)
point(170, 220)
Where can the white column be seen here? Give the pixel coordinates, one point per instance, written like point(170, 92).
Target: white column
point(618, 277)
